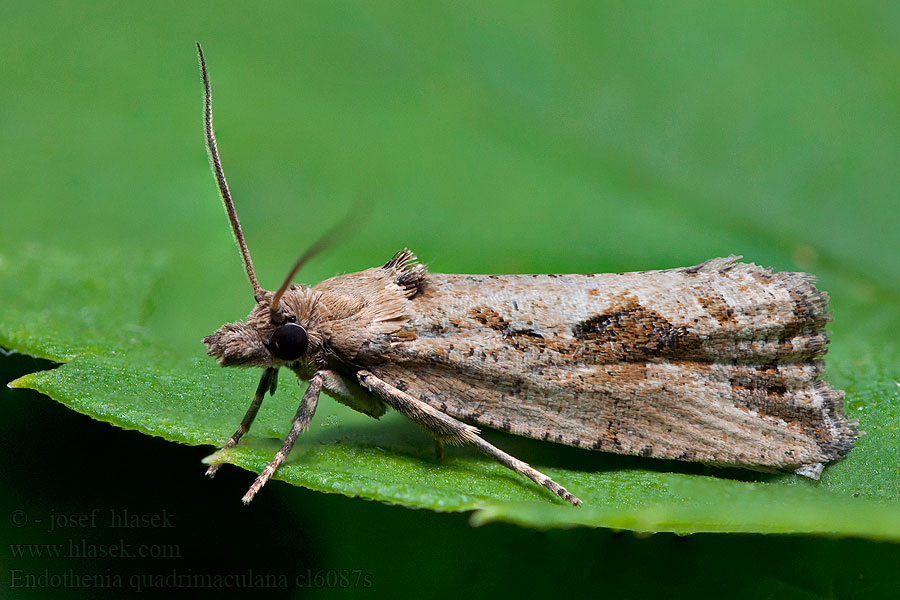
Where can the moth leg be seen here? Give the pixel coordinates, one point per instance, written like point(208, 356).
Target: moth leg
point(348, 393)
point(446, 428)
point(267, 382)
point(305, 413)
point(439, 449)
point(813, 470)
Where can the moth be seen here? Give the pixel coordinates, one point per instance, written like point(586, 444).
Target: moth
point(717, 363)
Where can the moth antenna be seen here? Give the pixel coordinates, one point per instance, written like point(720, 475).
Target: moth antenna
point(323, 242)
point(220, 179)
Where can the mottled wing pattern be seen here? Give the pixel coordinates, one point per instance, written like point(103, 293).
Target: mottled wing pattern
point(713, 363)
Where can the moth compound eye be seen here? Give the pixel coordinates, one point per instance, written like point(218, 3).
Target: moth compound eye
point(289, 342)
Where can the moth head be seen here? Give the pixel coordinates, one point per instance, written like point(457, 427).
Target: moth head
point(272, 334)
point(267, 339)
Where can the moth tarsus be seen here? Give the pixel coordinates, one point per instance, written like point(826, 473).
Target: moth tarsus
point(266, 384)
point(717, 363)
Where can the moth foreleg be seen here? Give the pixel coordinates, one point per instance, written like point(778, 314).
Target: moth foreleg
point(446, 428)
point(305, 413)
point(266, 383)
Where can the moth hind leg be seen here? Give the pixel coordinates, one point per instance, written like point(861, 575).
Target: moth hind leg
point(447, 429)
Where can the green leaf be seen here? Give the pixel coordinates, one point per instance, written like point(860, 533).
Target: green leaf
point(114, 370)
point(540, 141)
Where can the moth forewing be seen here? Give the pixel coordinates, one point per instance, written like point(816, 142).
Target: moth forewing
point(717, 363)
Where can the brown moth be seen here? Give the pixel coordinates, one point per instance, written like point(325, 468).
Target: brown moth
point(716, 363)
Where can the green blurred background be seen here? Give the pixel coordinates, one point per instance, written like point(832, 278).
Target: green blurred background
point(509, 137)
